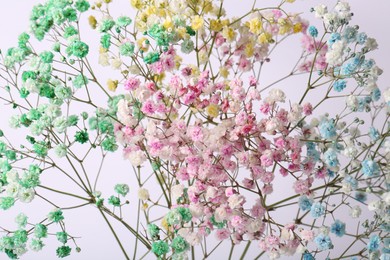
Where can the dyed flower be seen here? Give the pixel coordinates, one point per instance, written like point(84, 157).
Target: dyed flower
point(323, 242)
point(317, 210)
point(374, 243)
point(338, 228)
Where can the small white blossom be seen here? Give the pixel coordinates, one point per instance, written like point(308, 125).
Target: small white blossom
point(355, 212)
point(143, 194)
point(320, 11)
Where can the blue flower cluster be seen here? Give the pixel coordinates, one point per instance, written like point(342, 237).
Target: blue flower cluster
point(370, 168)
point(312, 152)
point(327, 128)
point(317, 210)
point(323, 242)
point(305, 203)
point(338, 228)
point(330, 157)
point(360, 196)
point(373, 134)
point(312, 30)
point(373, 243)
point(339, 85)
point(308, 256)
point(351, 181)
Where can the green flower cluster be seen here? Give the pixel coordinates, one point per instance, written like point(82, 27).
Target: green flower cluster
point(14, 244)
point(178, 215)
point(55, 12)
point(122, 189)
point(56, 215)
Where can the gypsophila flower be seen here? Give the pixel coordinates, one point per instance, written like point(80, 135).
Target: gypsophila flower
point(153, 230)
point(370, 168)
point(6, 202)
point(179, 244)
point(323, 242)
point(122, 189)
point(374, 243)
point(81, 136)
point(305, 203)
point(338, 228)
point(143, 194)
point(317, 210)
point(36, 244)
point(21, 220)
point(62, 237)
point(55, 215)
point(312, 30)
point(40, 231)
point(160, 248)
point(63, 251)
point(115, 201)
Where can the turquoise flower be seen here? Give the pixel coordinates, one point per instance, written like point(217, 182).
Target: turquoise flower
point(373, 243)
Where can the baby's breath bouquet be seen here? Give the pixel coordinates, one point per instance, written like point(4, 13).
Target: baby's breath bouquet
point(225, 163)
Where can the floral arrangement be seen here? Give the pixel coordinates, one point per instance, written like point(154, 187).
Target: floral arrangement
point(220, 159)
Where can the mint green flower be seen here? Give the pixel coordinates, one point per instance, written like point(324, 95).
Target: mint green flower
point(61, 150)
point(46, 91)
point(28, 75)
point(72, 120)
point(40, 148)
point(123, 21)
point(160, 248)
point(127, 49)
point(3, 147)
point(70, 14)
point(30, 179)
point(56, 47)
point(173, 217)
point(62, 237)
point(53, 111)
point(4, 165)
point(47, 57)
point(36, 128)
point(187, 46)
point(6, 202)
point(179, 244)
point(20, 238)
point(24, 92)
point(56, 215)
point(115, 201)
point(63, 92)
point(78, 49)
point(122, 189)
point(152, 57)
point(93, 123)
point(105, 40)
point(23, 38)
point(153, 230)
point(185, 214)
point(36, 244)
point(11, 155)
point(106, 25)
point(105, 126)
point(81, 136)
point(63, 251)
point(70, 31)
point(60, 124)
point(34, 114)
point(21, 220)
point(80, 81)
point(109, 144)
point(40, 231)
point(82, 5)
